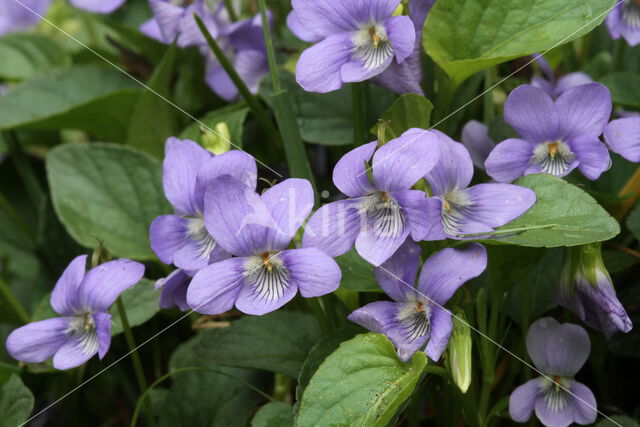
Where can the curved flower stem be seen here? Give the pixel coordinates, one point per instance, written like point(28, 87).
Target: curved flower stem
point(358, 95)
point(135, 358)
point(436, 370)
point(256, 108)
point(8, 295)
point(134, 418)
point(631, 191)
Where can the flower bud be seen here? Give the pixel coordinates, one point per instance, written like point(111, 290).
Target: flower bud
point(587, 290)
point(217, 142)
point(460, 352)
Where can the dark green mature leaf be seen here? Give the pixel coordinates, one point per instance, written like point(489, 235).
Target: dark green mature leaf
point(362, 383)
point(277, 342)
point(26, 54)
point(141, 304)
point(327, 118)
point(467, 36)
point(153, 119)
point(633, 221)
point(624, 88)
point(274, 414)
point(408, 111)
point(92, 98)
point(206, 398)
point(107, 192)
point(618, 421)
point(564, 214)
point(16, 402)
point(228, 124)
point(357, 274)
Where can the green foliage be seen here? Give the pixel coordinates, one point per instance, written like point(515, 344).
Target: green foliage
point(141, 303)
point(361, 383)
point(277, 342)
point(274, 414)
point(563, 214)
point(109, 193)
point(357, 274)
point(633, 221)
point(467, 36)
point(225, 120)
point(93, 98)
point(16, 402)
point(408, 111)
point(624, 87)
point(25, 55)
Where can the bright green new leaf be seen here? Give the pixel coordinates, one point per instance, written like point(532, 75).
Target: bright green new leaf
point(363, 383)
point(27, 54)
point(408, 111)
point(624, 88)
point(93, 98)
point(229, 119)
point(357, 274)
point(467, 36)
point(16, 402)
point(563, 215)
point(107, 192)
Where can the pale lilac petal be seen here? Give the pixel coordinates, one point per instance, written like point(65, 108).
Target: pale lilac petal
point(537, 339)
point(454, 169)
point(509, 160)
point(445, 271)
point(214, 289)
point(592, 154)
point(64, 298)
point(168, 16)
point(402, 162)
point(475, 137)
point(319, 67)
point(196, 254)
point(523, 400)
point(397, 275)
point(168, 234)
point(220, 82)
point(545, 66)
point(103, 284)
point(613, 22)
point(303, 32)
point(554, 418)
point(355, 70)
point(290, 203)
point(402, 35)
point(235, 163)
point(183, 160)
point(16, 17)
point(585, 407)
point(98, 6)
point(543, 84)
point(236, 217)
point(584, 110)
point(174, 290)
point(497, 204)
point(254, 299)
point(434, 212)
point(441, 324)
point(570, 81)
point(314, 272)
point(38, 341)
point(103, 330)
point(334, 227)
point(403, 78)
point(418, 10)
point(568, 348)
point(630, 34)
point(376, 248)
point(350, 173)
point(152, 30)
point(251, 65)
point(623, 136)
point(75, 352)
point(377, 316)
point(532, 113)
point(415, 206)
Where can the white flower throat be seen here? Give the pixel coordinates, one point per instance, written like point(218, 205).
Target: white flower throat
point(198, 233)
point(372, 46)
point(555, 393)
point(268, 276)
point(631, 13)
point(553, 157)
point(414, 318)
point(454, 206)
point(384, 215)
point(84, 328)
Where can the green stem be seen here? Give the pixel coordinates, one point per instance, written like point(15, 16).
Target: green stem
point(319, 314)
point(16, 218)
point(436, 370)
point(271, 53)
point(489, 111)
point(232, 13)
point(447, 89)
point(256, 108)
point(135, 357)
point(5, 290)
point(358, 95)
point(134, 418)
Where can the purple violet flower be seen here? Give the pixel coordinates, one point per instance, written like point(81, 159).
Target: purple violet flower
point(624, 21)
point(257, 229)
point(623, 137)
point(174, 289)
point(556, 137)
point(83, 302)
point(416, 316)
point(379, 214)
point(475, 137)
point(15, 17)
point(182, 239)
point(98, 6)
point(587, 290)
point(556, 87)
point(355, 41)
point(558, 351)
point(457, 209)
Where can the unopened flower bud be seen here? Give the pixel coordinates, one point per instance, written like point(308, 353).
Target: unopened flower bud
point(460, 352)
